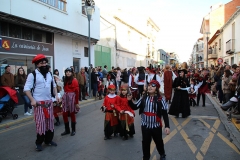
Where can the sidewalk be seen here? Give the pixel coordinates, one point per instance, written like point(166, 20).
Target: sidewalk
point(8, 121)
point(231, 126)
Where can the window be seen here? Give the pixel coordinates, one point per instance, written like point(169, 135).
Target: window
point(26, 33)
point(14, 31)
point(37, 35)
point(4, 29)
point(85, 52)
point(59, 4)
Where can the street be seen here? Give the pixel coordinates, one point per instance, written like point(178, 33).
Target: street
point(200, 136)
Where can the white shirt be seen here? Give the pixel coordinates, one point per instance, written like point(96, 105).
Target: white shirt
point(150, 77)
point(137, 82)
point(42, 90)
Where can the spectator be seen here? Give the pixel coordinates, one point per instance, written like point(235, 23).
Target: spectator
point(225, 87)
point(105, 72)
point(118, 78)
point(7, 78)
point(56, 72)
point(20, 81)
point(87, 81)
point(125, 76)
point(82, 84)
point(94, 82)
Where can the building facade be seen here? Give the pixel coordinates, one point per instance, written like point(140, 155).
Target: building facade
point(132, 44)
point(59, 29)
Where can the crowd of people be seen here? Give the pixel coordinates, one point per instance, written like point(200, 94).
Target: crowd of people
point(150, 89)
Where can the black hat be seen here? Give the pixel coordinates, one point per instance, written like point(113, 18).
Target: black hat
point(182, 70)
point(69, 69)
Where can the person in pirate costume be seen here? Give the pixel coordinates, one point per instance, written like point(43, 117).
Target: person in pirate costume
point(168, 81)
point(126, 114)
point(132, 84)
point(151, 75)
point(152, 107)
point(70, 103)
point(111, 109)
point(140, 81)
point(180, 102)
point(40, 82)
point(203, 89)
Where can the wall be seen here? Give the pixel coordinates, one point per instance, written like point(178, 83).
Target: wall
point(72, 20)
point(63, 56)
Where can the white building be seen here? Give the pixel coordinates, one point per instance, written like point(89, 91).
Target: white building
point(131, 38)
point(231, 39)
point(58, 29)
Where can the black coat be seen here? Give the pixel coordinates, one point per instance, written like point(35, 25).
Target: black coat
point(180, 102)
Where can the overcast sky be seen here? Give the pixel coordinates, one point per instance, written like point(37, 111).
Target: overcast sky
point(179, 20)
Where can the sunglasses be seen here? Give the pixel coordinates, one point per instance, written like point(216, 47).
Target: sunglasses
point(153, 85)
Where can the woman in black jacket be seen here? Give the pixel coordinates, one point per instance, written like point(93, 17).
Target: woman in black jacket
point(94, 82)
point(20, 80)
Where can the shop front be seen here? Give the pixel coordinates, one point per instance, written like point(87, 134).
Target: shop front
point(19, 53)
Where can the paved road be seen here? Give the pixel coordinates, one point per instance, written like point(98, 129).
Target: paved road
point(200, 136)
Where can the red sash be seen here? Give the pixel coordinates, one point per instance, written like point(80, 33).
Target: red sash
point(158, 119)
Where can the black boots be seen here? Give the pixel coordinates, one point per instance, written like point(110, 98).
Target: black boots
point(67, 129)
point(73, 125)
point(57, 123)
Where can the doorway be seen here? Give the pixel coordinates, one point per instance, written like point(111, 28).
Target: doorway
point(76, 64)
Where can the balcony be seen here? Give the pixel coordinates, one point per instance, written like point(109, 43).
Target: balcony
point(230, 46)
point(212, 56)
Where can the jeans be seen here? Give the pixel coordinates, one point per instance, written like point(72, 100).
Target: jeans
point(94, 88)
point(27, 103)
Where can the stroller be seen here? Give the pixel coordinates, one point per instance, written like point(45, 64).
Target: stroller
point(8, 98)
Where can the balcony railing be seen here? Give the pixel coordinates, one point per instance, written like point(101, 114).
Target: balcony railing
point(230, 46)
point(59, 4)
point(212, 56)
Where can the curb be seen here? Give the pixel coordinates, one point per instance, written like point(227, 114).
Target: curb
point(234, 134)
point(29, 118)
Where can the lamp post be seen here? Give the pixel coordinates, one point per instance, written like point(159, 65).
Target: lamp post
point(207, 33)
point(89, 11)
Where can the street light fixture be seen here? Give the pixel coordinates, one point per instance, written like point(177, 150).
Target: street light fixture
point(207, 33)
point(89, 11)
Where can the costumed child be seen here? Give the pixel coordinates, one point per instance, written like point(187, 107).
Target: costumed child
point(152, 107)
point(70, 101)
point(100, 89)
point(57, 106)
point(126, 114)
point(110, 108)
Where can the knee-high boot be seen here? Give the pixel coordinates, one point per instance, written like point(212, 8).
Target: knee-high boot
point(67, 129)
point(198, 98)
point(203, 98)
point(73, 125)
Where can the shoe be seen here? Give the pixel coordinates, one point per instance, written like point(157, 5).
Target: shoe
point(65, 133)
point(124, 138)
point(27, 114)
point(51, 144)
point(38, 147)
point(73, 133)
point(57, 123)
point(30, 111)
point(84, 99)
point(115, 134)
point(162, 157)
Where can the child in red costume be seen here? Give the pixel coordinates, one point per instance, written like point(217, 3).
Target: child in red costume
point(111, 109)
point(126, 115)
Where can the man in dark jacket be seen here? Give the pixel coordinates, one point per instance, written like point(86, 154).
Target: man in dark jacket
point(7, 78)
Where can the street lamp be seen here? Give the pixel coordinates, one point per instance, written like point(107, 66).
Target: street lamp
point(89, 11)
point(207, 33)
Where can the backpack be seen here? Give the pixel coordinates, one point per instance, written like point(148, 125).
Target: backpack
point(34, 83)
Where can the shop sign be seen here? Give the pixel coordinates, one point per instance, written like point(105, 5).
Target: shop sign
point(220, 60)
point(11, 45)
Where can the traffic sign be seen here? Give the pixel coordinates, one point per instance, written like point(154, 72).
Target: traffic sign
point(220, 60)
